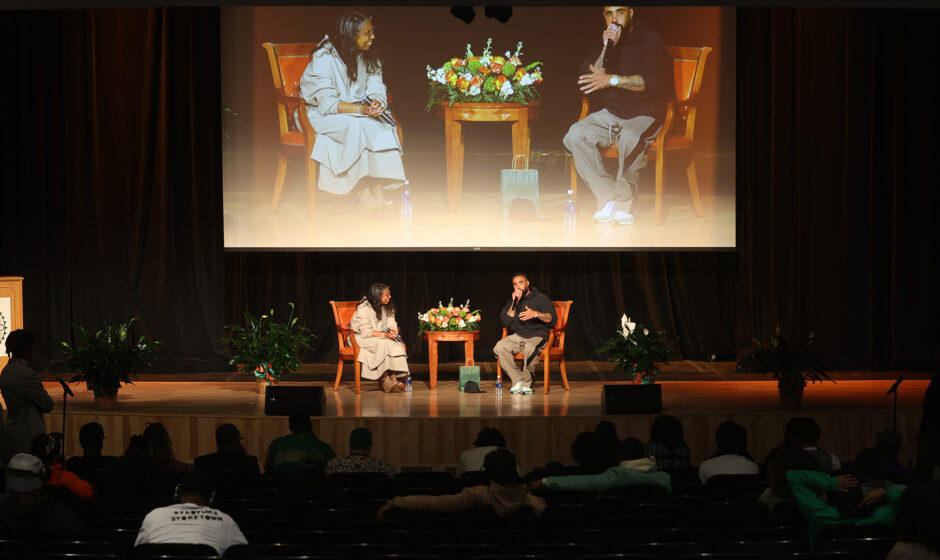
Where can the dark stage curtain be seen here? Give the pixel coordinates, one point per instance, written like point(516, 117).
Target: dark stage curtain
point(112, 185)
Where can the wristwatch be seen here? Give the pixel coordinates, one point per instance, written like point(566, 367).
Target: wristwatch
point(613, 81)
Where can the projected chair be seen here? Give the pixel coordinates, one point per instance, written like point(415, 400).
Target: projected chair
point(554, 347)
point(348, 349)
point(288, 62)
point(677, 133)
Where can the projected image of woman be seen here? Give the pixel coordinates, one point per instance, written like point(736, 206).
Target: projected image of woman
point(381, 351)
point(346, 96)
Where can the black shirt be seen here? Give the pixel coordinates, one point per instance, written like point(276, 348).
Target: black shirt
point(639, 51)
point(226, 461)
point(536, 301)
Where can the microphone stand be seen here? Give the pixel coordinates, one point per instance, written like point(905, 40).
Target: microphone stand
point(65, 398)
point(894, 389)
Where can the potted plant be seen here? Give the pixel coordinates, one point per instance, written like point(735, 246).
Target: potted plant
point(107, 358)
point(266, 348)
point(792, 365)
point(638, 352)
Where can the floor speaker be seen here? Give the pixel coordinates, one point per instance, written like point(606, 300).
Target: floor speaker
point(632, 399)
point(285, 400)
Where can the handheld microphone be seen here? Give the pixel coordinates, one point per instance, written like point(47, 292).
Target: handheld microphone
point(608, 43)
point(397, 336)
point(66, 388)
point(515, 302)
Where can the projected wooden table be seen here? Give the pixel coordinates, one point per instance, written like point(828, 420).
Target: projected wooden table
point(458, 113)
point(467, 337)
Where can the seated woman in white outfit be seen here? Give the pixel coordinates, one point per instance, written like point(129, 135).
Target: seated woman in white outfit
point(383, 357)
point(351, 143)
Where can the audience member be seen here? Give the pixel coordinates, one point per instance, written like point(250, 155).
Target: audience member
point(310, 483)
point(917, 521)
point(592, 454)
point(230, 458)
point(24, 511)
point(805, 432)
point(134, 483)
point(287, 453)
point(471, 460)
point(731, 456)
point(607, 433)
point(927, 463)
point(667, 444)
point(161, 447)
point(358, 460)
point(505, 493)
point(636, 468)
point(191, 520)
point(888, 445)
point(785, 460)
point(25, 397)
point(813, 491)
point(68, 486)
point(91, 462)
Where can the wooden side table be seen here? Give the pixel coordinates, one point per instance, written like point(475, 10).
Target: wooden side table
point(467, 337)
point(458, 113)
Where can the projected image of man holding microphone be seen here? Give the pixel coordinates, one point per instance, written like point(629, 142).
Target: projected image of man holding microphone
point(627, 75)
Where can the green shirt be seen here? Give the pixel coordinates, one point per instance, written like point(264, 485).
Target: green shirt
point(807, 487)
point(288, 453)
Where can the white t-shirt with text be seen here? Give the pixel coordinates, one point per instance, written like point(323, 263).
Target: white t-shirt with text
point(189, 523)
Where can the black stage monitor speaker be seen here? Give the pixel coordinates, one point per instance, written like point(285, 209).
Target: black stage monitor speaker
point(632, 399)
point(284, 400)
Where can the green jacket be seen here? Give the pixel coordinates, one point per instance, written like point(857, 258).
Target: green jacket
point(807, 487)
point(288, 453)
point(625, 474)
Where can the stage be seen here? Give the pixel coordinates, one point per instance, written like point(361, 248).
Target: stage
point(431, 427)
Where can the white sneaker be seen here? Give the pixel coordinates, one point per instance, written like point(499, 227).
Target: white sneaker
point(526, 391)
point(623, 218)
point(604, 214)
point(516, 388)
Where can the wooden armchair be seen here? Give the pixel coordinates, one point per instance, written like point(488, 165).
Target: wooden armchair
point(677, 132)
point(348, 349)
point(288, 62)
point(554, 347)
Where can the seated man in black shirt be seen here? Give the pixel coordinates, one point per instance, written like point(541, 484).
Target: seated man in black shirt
point(530, 315)
point(91, 462)
point(230, 458)
point(627, 75)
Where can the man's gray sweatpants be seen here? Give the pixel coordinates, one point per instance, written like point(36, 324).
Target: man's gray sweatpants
point(587, 137)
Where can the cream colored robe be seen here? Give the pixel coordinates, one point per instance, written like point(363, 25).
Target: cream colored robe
point(377, 354)
point(349, 146)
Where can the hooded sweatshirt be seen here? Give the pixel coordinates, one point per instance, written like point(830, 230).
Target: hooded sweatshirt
point(635, 471)
point(505, 500)
point(536, 301)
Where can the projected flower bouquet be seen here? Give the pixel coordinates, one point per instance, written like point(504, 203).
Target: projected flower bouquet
point(485, 79)
point(449, 317)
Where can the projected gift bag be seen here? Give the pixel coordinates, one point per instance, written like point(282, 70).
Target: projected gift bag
point(519, 183)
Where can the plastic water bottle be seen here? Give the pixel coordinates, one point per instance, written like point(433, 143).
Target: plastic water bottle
point(406, 209)
point(570, 212)
point(498, 389)
point(408, 384)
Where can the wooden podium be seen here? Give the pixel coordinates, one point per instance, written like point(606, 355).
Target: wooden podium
point(11, 311)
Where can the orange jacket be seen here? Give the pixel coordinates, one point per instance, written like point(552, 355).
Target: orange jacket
point(61, 478)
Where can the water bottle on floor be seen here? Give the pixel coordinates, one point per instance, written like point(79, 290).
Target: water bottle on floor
point(570, 212)
point(408, 384)
point(498, 389)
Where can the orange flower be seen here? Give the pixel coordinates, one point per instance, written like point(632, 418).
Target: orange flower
point(451, 77)
point(484, 71)
point(457, 62)
point(496, 67)
point(500, 80)
point(476, 81)
point(463, 83)
point(519, 74)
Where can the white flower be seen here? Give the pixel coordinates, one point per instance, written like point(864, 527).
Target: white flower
point(474, 90)
point(626, 326)
point(506, 89)
point(440, 76)
point(508, 55)
point(527, 80)
point(646, 332)
point(485, 60)
point(468, 76)
point(461, 323)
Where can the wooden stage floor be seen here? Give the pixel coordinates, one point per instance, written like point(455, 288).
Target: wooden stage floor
point(431, 427)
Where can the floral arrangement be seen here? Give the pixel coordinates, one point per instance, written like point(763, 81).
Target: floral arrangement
point(449, 317)
point(266, 348)
point(107, 358)
point(637, 350)
point(485, 79)
point(791, 364)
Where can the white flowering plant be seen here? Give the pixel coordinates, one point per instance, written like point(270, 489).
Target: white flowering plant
point(485, 79)
point(637, 350)
point(449, 317)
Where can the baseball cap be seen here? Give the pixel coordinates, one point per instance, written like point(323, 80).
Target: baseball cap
point(24, 473)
